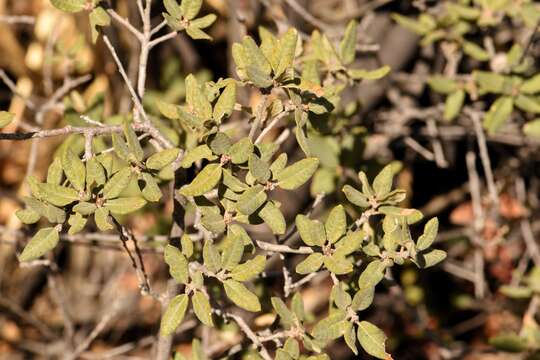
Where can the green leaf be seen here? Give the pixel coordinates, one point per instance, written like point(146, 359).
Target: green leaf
point(355, 196)
point(338, 265)
point(173, 8)
point(310, 264)
point(240, 151)
point(151, 190)
point(347, 46)
point(312, 232)
point(498, 114)
point(510, 342)
point(125, 205)
point(516, 292)
point(6, 118)
point(198, 153)
point(530, 86)
point(202, 308)
point(340, 297)
point(258, 77)
point(475, 51)
point(161, 159)
point(252, 199)
point(532, 128)
point(43, 241)
point(197, 100)
point(453, 105)
point(527, 103)
point(431, 258)
point(187, 245)
point(101, 217)
point(442, 85)
point(77, 223)
point(213, 222)
point(363, 298)
point(85, 208)
point(297, 174)
point(120, 148)
point(211, 257)
point(241, 296)
point(178, 264)
point(117, 183)
point(225, 104)
point(74, 169)
point(372, 274)
point(372, 339)
point(205, 181)
point(220, 143)
point(418, 27)
point(204, 22)
point(58, 195)
point(174, 314)
point(331, 327)
point(382, 184)
point(55, 172)
point(71, 6)
point(190, 8)
point(95, 173)
point(489, 82)
point(52, 213)
point(249, 269)
point(430, 232)
point(259, 168)
point(286, 316)
point(28, 216)
point(233, 252)
point(361, 74)
point(197, 34)
point(273, 217)
point(133, 142)
point(255, 58)
point(98, 17)
point(336, 224)
point(349, 335)
point(287, 49)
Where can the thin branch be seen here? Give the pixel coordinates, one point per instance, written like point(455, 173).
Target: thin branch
point(277, 248)
point(306, 15)
point(126, 24)
point(18, 19)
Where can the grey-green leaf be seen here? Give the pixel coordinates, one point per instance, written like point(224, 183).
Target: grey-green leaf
point(117, 183)
point(297, 174)
point(178, 264)
point(43, 241)
point(336, 224)
point(372, 340)
point(241, 296)
point(74, 169)
point(310, 264)
point(174, 314)
point(312, 232)
point(252, 199)
point(249, 269)
point(202, 308)
point(205, 181)
point(430, 232)
point(125, 205)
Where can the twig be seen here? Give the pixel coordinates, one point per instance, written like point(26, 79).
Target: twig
point(525, 225)
point(484, 157)
point(18, 19)
point(306, 15)
point(272, 124)
point(478, 224)
point(126, 24)
point(283, 248)
point(250, 334)
point(413, 144)
point(151, 128)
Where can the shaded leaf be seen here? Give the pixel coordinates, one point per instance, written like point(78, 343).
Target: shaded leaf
point(43, 241)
